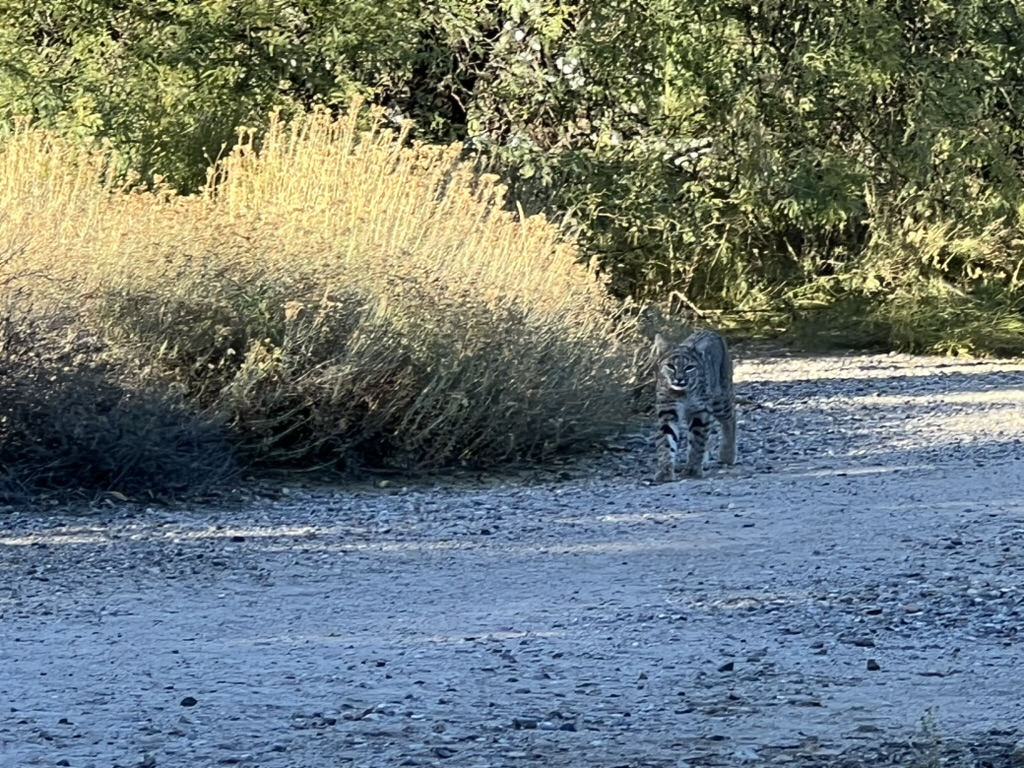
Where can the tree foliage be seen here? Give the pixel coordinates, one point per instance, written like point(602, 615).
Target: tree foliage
point(745, 154)
point(169, 82)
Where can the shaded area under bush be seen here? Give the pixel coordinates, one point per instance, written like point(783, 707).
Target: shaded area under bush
point(71, 421)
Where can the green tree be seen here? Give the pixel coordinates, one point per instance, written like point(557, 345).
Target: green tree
point(168, 82)
point(739, 153)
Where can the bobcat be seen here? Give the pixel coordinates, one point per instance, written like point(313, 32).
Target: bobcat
point(694, 384)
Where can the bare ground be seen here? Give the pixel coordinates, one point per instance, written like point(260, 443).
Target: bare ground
point(852, 593)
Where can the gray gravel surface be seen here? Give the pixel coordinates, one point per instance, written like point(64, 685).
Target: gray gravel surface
point(851, 593)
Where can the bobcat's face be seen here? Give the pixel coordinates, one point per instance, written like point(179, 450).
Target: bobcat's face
point(678, 367)
point(681, 372)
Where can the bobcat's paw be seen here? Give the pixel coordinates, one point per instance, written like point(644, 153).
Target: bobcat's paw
point(665, 475)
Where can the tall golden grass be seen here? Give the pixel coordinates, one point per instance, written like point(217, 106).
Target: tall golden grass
point(337, 295)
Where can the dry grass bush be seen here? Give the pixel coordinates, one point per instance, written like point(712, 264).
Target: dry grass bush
point(76, 415)
point(336, 296)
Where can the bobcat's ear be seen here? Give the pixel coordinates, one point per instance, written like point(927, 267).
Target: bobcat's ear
point(661, 345)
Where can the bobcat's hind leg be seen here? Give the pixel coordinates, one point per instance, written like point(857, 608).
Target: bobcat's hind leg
point(727, 453)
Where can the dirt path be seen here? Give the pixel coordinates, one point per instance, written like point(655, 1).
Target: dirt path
point(862, 566)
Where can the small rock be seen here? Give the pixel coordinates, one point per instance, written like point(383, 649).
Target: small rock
point(527, 723)
point(873, 666)
point(360, 714)
point(189, 701)
point(727, 667)
point(805, 701)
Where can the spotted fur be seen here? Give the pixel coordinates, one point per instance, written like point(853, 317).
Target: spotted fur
point(694, 385)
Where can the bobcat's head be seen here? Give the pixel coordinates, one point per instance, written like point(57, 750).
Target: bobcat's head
point(679, 366)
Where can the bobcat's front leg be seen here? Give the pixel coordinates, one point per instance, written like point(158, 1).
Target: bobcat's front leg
point(668, 443)
point(700, 427)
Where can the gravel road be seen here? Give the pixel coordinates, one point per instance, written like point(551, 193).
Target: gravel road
point(851, 593)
